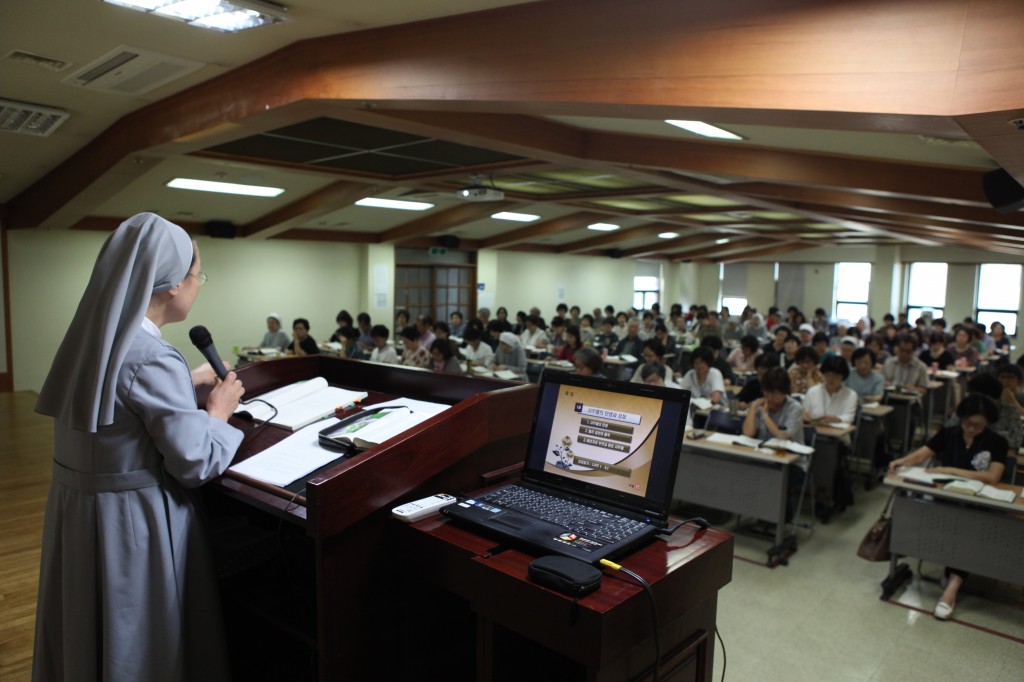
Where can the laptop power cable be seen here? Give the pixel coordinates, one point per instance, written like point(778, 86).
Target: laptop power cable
point(654, 609)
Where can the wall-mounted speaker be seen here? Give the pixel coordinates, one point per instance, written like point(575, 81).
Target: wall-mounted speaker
point(613, 253)
point(449, 241)
point(220, 229)
point(1002, 191)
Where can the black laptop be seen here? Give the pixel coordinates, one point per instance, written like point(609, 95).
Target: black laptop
point(599, 471)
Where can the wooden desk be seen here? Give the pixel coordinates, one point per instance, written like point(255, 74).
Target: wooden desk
point(331, 526)
point(739, 480)
point(967, 532)
point(609, 633)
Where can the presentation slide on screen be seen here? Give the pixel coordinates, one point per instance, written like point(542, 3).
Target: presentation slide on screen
point(604, 438)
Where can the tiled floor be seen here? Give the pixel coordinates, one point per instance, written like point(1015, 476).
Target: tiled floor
point(820, 617)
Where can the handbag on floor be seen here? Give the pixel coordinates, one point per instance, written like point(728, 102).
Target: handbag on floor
point(875, 545)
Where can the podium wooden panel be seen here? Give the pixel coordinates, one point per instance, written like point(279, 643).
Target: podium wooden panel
point(344, 510)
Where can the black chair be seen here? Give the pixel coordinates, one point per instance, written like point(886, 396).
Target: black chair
point(724, 422)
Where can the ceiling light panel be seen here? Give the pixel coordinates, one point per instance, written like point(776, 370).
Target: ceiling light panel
point(377, 202)
point(516, 217)
point(225, 187)
point(602, 227)
point(704, 129)
point(218, 15)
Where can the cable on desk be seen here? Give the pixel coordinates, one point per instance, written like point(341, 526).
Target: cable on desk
point(654, 609)
point(251, 433)
point(696, 520)
point(724, 659)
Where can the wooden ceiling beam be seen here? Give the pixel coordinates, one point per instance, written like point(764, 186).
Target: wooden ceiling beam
point(442, 220)
point(824, 197)
point(308, 209)
point(722, 249)
point(609, 239)
point(769, 251)
point(664, 246)
point(547, 227)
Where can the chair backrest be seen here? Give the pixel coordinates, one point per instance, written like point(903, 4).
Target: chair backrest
point(724, 422)
point(1010, 472)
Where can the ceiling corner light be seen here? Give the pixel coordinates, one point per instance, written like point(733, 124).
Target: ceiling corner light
point(516, 217)
point(225, 187)
point(374, 202)
point(217, 15)
point(668, 235)
point(704, 129)
point(603, 227)
point(722, 241)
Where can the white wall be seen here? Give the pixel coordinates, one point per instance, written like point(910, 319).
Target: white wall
point(248, 280)
point(524, 280)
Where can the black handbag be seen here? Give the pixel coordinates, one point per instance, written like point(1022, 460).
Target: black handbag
point(875, 545)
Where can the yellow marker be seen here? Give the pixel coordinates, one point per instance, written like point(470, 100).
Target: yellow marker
point(611, 564)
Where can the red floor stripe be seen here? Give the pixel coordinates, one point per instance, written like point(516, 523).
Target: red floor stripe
point(974, 626)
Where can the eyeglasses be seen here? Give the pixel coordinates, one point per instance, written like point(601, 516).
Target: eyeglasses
point(201, 277)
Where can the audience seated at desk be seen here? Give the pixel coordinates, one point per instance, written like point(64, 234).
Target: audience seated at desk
point(424, 326)
point(868, 384)
point(534, 336)
point(969, 450)
point(661, 334)
point(413, 354)
point(501, 317)
point(350, 344)
point(556, 334)
point(587, 331)
point(830, 401)
point(588, 362)
point(743, 357)
point(755, 327)
point(964, 353)
point(443, 359)
point(365, 326)
point(441, 333)
point(703, 380)
point(877, 346)
point(476, 352)
point(819, 342)
point(631, 343)
point(654, 373)
point(847, 345)
point(401, 320)
point(937, 355)
point(573, 343)
point(777, 345)
point(1008, 424)
point(653, 353)
point(606, 338)
point(510, 355)
point(275, 336)
point(382, 350)
point(718, 362)
point(1000, 341)
point(804, 373)
point(751, 390)
point(457, 326)
point(302, 343)
point(344, 320)
point(904, 369)
point(1011, 376)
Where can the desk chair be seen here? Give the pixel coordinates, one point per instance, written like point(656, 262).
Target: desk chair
point(1010, 471)
point(724, 422)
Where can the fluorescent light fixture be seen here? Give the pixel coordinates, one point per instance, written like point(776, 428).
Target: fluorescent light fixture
point(374, 202)
point(722, 241)
point(516, 217)
point(225, 187)
point(704, 129)
point(218, 15)
point(668, 235)
point(603, 227)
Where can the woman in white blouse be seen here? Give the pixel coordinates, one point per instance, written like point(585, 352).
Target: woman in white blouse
point(832, 401)
point(704, 381)
point(534, 336)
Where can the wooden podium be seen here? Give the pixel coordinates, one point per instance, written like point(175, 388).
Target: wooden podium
point(333, 531)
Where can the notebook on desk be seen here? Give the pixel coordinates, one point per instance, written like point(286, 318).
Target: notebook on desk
point(598, 474)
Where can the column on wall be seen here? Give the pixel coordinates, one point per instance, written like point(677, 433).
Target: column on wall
point(961, 291)
point(886, 283)
point(761, 286)
point(734, 284)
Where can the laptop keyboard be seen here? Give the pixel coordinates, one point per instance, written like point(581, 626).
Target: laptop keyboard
point(578, 518)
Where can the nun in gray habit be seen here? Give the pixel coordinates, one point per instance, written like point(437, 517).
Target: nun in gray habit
point(126, 586)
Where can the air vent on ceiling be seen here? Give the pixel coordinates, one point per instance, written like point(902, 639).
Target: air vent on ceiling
point(37, 59)
point(131, 71)
point(29, 119)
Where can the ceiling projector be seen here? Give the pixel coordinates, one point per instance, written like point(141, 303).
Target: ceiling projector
point(480, 193)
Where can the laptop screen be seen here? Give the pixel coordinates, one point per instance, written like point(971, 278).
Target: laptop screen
point(608, 440)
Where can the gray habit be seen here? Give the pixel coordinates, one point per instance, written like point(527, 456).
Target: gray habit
point(126, 587)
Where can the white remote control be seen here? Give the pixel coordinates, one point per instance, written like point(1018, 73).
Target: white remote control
point(421, 509)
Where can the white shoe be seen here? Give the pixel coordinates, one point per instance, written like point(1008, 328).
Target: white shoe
point(943, 611)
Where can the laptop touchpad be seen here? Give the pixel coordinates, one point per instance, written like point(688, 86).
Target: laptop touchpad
point(512, 520)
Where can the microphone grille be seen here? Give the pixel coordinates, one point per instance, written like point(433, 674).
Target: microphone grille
point(200, 336)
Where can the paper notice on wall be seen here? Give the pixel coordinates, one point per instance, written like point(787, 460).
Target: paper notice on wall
point(380, 285)
point(485, 299)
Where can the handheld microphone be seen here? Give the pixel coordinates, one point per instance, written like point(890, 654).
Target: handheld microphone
point(203, 341)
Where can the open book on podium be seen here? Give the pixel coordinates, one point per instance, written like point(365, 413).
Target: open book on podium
point(301, 403)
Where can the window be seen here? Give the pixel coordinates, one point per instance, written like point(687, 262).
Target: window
point(998, 295)
point(926, 290)
point(435, 290)
point(852, 283)
point(645, 291)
